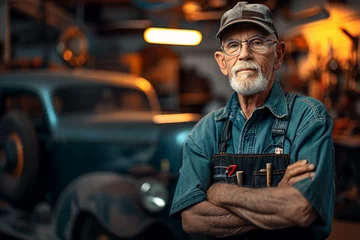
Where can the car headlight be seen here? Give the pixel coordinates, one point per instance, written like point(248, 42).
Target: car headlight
point(153, 196)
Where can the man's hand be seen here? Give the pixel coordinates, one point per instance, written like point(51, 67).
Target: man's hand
point(206, 218)
point(268, 208)
point(296, 172)
point(215, 192)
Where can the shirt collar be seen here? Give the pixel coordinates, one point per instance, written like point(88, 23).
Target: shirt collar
point(276, 103)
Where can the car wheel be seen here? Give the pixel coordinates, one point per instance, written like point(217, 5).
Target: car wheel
point(90, 229)
point(19, 159)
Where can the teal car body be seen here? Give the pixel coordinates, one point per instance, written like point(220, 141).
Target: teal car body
point(105, 150)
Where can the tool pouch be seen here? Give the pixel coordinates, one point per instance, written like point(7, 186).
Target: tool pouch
point(251, 165)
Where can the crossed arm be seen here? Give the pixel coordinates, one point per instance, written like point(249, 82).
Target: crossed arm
point(232, 210)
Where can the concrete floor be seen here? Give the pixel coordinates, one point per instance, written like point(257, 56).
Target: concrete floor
point(341, 230)
point(345, 230)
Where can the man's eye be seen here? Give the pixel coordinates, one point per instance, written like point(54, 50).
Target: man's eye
point(232, 45)
point(257, 42)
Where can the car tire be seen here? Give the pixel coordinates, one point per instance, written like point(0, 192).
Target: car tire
point(18, 184)
point(90, 229)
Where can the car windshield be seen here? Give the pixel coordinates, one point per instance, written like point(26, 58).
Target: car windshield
point(94, 98)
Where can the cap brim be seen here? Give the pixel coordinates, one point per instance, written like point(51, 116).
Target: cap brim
point(263, 25)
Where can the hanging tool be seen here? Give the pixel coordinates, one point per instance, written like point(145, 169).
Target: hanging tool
point(240, 178)
point(230, 170)
point(268, 174)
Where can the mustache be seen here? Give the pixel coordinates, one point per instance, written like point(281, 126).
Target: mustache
point(245, 65)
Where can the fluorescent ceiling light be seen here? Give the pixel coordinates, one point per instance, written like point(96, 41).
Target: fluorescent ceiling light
point(172, 36)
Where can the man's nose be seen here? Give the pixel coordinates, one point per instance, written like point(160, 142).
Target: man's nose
point(245, 52)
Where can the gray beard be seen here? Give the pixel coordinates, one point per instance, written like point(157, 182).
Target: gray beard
point(247, 87)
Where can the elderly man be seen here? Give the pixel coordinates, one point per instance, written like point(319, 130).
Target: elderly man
point(262, 167)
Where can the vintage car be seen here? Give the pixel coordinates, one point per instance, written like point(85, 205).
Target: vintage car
point(87, 154)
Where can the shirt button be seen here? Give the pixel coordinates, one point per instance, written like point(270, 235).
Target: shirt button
point(246, 138)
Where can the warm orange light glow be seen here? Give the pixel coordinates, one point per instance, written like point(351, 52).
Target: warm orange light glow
point(67, 55)
point(173, 118)
point(172, 36)
point(191, 7)
point(80, 60)
point(144, 85)
point(324, 33)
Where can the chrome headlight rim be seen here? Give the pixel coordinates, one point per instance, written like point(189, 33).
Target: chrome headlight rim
point(153, 196)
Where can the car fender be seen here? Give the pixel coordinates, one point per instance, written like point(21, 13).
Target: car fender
point(111, 198)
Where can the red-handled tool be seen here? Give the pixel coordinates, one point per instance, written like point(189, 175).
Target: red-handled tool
point(230, 170)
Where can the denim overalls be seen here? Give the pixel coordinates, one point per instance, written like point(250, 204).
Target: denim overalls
point(250, 170)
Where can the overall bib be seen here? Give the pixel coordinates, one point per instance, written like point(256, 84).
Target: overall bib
point(254, 173)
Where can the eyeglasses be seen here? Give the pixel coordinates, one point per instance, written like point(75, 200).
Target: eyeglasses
point(256, 44)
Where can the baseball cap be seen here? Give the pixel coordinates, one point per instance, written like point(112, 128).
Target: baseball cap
point(244, 12)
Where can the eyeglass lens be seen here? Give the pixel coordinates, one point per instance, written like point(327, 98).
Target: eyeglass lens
point(256, 44)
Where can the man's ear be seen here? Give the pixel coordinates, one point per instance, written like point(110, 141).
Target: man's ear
point(220, 59)
point(280, 53)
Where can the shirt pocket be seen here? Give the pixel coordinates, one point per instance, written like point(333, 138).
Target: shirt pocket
point(274, 147)
point(270, 148)
point(260, 178)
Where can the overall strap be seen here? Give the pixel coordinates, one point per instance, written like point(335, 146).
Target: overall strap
point(225, 136)
point(280, 125)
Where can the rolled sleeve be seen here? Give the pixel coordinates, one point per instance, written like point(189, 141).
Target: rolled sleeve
point(314, 143)
point(194, 179)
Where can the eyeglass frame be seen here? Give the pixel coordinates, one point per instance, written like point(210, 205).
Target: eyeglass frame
point(267, 40)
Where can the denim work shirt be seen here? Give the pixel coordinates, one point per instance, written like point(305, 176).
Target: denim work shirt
point(308, 137)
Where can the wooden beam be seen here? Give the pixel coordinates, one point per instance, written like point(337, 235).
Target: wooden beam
point(45, 11)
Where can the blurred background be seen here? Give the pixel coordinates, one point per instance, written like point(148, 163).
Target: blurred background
point(321, 37)
point(322, 59)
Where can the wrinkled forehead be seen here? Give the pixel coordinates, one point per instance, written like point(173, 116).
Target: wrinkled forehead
point(243, 31)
